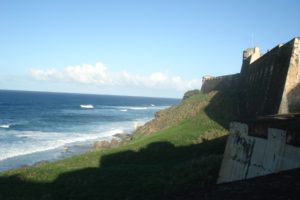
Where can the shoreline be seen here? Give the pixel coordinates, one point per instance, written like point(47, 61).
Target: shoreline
point(63, 152)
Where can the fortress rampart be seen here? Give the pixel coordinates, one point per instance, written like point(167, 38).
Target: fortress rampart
point(267, 84)
point(266, 137)
point(210, 83)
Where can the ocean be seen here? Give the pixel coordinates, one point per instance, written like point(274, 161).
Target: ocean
point(44, 126)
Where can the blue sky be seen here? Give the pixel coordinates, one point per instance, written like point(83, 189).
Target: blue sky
point(134, 47)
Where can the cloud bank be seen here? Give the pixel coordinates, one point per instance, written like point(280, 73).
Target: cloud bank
point(100, 75)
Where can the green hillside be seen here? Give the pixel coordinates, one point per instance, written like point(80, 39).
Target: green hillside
point(178, 152)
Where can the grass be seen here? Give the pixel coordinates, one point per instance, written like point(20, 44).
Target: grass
point(178, 152)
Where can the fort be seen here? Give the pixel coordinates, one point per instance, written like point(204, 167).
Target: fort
point(266, 136)
point(210, 83)
point(267, 84)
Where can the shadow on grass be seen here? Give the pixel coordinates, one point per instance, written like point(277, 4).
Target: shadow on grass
point(224, 107)
point(159, 171)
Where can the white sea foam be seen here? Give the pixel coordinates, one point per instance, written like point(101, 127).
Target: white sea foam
point(135, 125)
point(5, 126)
point(27, 134)
point(152, 107)
point(127, 108)
point(37, 141)
point(139, 123)
point(87, 106)
point(31, 142)
point(138, 108)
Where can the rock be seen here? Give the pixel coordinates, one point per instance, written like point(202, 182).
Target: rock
point(103, 144)
point(117, 140)
point(114, 142)
point(123, 136)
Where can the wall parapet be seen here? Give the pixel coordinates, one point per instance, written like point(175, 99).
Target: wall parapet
point(210, 83)
point(224, 77)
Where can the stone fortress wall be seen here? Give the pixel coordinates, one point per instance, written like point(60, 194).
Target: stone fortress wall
point(266, 138)
point(210, 83)
point(267, 84)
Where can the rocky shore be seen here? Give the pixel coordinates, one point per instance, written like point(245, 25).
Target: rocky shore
point(117, 140)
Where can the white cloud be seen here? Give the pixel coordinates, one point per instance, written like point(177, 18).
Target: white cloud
point(99, 75)
point(44, 75)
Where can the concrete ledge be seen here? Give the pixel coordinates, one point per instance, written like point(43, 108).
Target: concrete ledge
point(248, 155)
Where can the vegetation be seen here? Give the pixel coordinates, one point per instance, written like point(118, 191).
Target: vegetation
point(175, 154)
point(190, 93)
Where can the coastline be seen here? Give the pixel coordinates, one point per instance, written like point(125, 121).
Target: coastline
point(64, 152)
point(119, 137)
point(45, 127)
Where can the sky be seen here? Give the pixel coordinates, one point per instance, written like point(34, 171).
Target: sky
point(159, 48)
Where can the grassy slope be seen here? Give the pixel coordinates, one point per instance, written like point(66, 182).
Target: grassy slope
point(178, 152)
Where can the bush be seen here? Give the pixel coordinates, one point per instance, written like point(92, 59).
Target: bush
point(190, 93)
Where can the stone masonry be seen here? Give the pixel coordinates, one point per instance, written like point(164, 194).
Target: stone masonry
point(266, 137)
point(268, 84)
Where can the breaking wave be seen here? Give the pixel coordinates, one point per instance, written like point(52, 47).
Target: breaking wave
point(87, 106)
point(5, 126)
point(37, 141)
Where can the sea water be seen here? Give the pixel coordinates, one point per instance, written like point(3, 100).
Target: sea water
point(43, 126)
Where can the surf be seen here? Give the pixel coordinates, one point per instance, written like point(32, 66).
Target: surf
point(87, 106)
point(5, 126)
